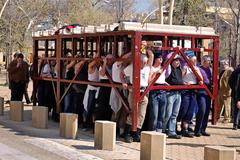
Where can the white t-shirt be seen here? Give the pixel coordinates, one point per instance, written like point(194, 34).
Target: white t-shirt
point(105, 76)
point(116, 70)
point(161, 78)
point(190, 77)
point(144, 74)
point(94, 76)
point(47, 70)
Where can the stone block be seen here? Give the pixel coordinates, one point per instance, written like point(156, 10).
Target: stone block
point(153, 146)
point(105, 135)
point(219, 153)
point(40, 117)
point(16, 111)
point(1, 105)
point(68, 125)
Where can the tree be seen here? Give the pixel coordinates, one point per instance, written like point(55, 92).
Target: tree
point(170, 16)
point(234, 5)
point(192, 12)
point(231, 27)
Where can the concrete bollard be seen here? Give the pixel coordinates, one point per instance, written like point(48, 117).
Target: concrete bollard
point(219, 153)
point(1, 105)
point(105, 135)
point(68, 125)
point(16, 111)
point(40, 117)
point(153, 146)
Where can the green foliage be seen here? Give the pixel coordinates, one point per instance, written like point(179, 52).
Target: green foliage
point(191, 12)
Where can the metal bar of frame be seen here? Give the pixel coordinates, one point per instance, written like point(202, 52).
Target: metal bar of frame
point(194, 71)
point(58, 64)
point(115, 47)
point(35, 71)
point(136, 43)
point(85, 46)
point(84, 82)
point(71, 82)
point(158, 75)
point(53, 85)
point(215, 80)
point(125, 104)
point(122, 99)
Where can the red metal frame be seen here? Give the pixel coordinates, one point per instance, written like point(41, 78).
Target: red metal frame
point(136, 38)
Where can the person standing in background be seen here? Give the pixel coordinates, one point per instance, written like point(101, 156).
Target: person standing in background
point(19, 75)
point(234, 83)
point(224, 93)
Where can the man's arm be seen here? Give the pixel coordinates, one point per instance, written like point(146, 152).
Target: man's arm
point(150, 57)
point(71, 64)
point(102, 72)
point(91, 66)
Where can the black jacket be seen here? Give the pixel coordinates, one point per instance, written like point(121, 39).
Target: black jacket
point(175, 77)
point(234, 83)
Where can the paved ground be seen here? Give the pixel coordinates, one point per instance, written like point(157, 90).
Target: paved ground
point(21, 141)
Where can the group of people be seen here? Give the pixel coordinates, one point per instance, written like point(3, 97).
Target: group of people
point(165, 108)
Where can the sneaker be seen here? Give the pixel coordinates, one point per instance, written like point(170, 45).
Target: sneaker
point(85, 129)
point(198, 134)
point(226, 121)
point(190, 129)
point(128, 138)
point(205, 134)
point(159, 130)
point(235, 127)
point(187, 134)
point(178, 132)
point(136, 137)
point(175, 136)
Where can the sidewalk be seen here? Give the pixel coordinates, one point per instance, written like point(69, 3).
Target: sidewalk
point(83, 146)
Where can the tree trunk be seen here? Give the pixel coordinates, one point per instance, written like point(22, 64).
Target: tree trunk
point(160, 4)
point(170, 16)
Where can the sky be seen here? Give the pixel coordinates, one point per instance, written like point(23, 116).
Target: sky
point(143, 5)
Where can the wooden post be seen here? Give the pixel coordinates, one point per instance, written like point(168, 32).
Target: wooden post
point(16, 111)
point(40, 117)
point(105, 135)
point(219, 153)
point(153, 146)
point(68, 125)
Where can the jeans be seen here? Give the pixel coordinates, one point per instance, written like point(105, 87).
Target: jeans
point(157, 107)
point(187, 107)
point(173, 106)
point(68, 103)
point(204, 106)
